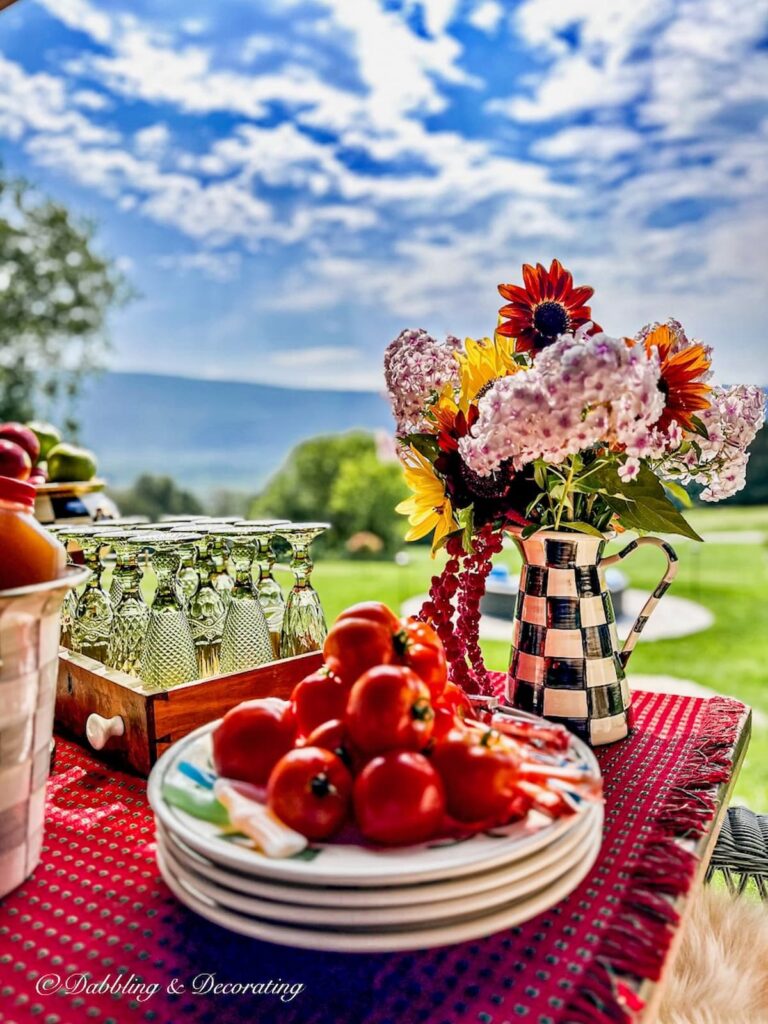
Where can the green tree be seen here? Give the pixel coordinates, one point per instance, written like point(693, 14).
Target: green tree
point(318, 481)
point(56, 291)
point(156, 496)
point(756, 488)
point(363, 499)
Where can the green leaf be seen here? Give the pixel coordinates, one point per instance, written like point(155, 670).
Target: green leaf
point(466, 517)
point(650, 515)
point(699, 427)
point(641, 504)
point(425, 444)
point(200, 803)
point(679, 492)
point(309, 853)
point(581, 528)
point(540, 474)
point(528, 531)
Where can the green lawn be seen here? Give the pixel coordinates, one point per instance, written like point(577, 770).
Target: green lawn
point(729, 579)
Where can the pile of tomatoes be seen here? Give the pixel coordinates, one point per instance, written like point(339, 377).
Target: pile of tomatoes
point(378, 737)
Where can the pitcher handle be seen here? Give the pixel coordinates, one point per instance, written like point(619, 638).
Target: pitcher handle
point(661, 588)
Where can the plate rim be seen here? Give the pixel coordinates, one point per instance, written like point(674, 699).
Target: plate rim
point(386, 917)
point(339, 942)
point(368, 897)
point(289, 870)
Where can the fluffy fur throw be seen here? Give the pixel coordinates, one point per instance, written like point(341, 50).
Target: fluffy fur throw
point(720, 975)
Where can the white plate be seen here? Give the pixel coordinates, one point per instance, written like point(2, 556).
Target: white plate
point(376, 918)
point(589, 825)
point(353, 864)
point(383, 942)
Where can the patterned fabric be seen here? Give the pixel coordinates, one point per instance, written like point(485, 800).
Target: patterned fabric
point(567, 662)
point(96, 906)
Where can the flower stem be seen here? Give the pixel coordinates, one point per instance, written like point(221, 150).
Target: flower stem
point(566, 489)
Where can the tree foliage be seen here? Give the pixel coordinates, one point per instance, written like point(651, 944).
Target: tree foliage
point(337, 477)
point(55, 293)
point(156, 496)
point(363, 499)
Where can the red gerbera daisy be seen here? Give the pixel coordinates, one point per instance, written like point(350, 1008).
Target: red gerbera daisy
point(682, 377)
point(547, 307)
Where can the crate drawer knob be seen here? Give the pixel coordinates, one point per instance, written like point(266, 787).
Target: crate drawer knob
point(99, 729)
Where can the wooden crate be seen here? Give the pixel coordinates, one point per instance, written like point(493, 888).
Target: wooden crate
point(152, 719)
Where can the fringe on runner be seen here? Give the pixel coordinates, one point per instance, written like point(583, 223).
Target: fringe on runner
point(639, 936)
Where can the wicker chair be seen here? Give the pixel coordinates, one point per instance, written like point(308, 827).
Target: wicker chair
point(741, 851)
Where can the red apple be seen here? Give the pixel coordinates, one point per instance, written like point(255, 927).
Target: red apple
point(38, 476)
point(14, 461)
point(23, 437)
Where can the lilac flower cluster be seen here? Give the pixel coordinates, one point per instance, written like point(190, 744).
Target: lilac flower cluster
point(580, 391)
point(415, 367)
point(719, 461)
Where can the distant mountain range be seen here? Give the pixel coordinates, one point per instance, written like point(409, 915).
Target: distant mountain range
point(210, 435)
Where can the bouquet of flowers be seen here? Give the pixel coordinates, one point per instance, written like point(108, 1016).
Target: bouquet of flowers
point(553, 424)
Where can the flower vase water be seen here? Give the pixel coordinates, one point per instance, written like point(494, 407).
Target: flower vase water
point(567, 661)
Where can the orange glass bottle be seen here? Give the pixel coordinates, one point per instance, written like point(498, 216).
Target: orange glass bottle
point(28, 553)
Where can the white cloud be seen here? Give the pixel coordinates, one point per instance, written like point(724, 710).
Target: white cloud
point(575, 84)
point(320, 356)
point(219, 266)
point(655, 208)
point(153, 140)
point(438, 14)
point(88, 99)
point(595, 142)
point(486, 16)
point(81, 16)
point(41, 103)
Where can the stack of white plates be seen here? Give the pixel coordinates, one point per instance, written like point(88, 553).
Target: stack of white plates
point(349, 897)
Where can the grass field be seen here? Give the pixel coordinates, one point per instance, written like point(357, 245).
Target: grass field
point(731, 579)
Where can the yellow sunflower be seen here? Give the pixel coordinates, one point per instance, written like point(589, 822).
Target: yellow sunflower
point(482, 362)
point(428, 508)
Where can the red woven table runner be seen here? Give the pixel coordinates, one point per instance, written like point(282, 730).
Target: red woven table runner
point(94, 935)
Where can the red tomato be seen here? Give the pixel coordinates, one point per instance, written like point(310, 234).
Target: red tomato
point(373, 610)
point(317, 699)
point(389, 709)
point(479, 771)
point(451, 708)
point(419, 647)
point(399, 799)
point(252, 737)
point(310, 791)
point(334, 736)
point(355, 645)
point(455, 698)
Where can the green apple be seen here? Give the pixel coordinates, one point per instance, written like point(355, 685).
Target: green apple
point(68, 462)
point(47, 435)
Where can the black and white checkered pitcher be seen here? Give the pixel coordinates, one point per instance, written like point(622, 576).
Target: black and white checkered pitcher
point(29, 653)
point(567, 660)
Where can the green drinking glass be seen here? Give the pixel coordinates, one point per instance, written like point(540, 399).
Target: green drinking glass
point(168, 656)
point(130, 611)
point(218, 553)
point(269, 590)
point(304, 627)
point(92, 615)
point(246, 641)
point(206, 610)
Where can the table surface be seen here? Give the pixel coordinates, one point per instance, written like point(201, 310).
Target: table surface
point(97, 912)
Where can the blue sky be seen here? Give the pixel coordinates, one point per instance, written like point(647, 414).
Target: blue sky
point(289, 183)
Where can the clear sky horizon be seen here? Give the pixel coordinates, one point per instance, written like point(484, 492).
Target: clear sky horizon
point(289, 183)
